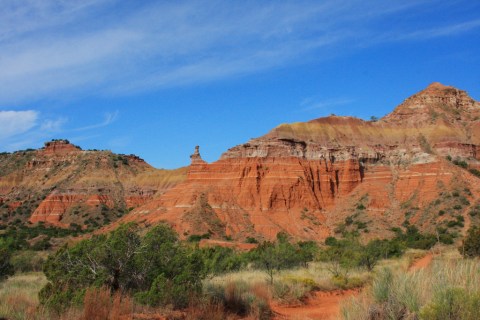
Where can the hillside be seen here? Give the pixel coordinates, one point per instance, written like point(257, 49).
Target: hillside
point(329, 176)
point(60, 184)
point(336, 175)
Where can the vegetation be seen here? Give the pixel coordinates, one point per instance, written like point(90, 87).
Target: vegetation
point(6, 268)
point(124, 271)
point(449, 289)
point(156, 268)
point(471, 243)
point(275, 256)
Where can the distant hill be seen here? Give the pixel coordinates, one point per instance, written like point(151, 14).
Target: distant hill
point(62, 185)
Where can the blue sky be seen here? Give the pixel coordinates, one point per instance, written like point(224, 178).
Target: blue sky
point(156, 78)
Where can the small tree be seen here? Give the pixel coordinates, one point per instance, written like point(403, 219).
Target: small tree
point(275, 256)
point(471, 244)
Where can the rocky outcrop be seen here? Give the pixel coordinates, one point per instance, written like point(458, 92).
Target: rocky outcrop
point(59, 147)
point(53, 208)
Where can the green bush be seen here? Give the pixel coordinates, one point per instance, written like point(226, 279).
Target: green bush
point(412, 238)
point(218, 260)
point(6, 268)
point(474, 172)
point(251, 240)
point(123, 261)
point(471, 244)
point(278, 255)
point(198, 237)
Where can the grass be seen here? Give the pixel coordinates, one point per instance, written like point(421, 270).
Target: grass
point(19, 296)
point(448, 289)
point(292, 287)
point(248, 293)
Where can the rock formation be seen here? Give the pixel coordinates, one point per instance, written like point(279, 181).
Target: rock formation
point(308, 178)
point(329, 176)
point(61, 184)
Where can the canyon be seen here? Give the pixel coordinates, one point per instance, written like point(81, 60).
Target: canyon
point(415, 166)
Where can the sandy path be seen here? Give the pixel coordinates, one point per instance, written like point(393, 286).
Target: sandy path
point(322, 305)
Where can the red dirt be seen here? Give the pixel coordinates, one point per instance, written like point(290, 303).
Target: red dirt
point(422, 262)
point(323, 305)
point(326, 305)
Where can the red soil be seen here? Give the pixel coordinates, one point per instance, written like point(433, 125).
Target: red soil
point(422, 262)
point(322, 305)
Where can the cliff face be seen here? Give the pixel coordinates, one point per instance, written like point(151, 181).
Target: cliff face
point(61, 184)
point(315, 179)
point(308, 178)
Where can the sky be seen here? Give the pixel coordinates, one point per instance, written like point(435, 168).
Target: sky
point(157, 78)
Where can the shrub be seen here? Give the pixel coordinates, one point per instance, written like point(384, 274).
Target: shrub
point(6, 268)
point(27, 261)
point(123, 261)
point(361, 207)
point(452, 303)
point(251, 240)
point(460, 163)
point(475, 172)
point(198, 237)
point(275, 256)
point(240, 299)
point(217, 260)
point(291, 290)
point(330, 241)
point(471, 244)
point(412, 238)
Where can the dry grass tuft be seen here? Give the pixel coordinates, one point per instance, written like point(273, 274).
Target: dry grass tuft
point(448, 289)
point(19, 297)
point(100, 305)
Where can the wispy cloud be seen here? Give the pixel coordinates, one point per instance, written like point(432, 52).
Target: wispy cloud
point(310, 104)
point(14, 123)
point(114, 47)
point(429, 33)
point(53, 125)
point(27, 129)
point(108, 118)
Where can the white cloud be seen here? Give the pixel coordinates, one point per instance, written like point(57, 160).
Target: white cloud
point(51, 125)
point(14, 123)
point(108, 118)
point(29, 129)
point(50, 47)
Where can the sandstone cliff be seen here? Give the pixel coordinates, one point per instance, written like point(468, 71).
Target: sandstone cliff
point(336, 174)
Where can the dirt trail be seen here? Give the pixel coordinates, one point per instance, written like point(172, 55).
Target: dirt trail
point(326, 305)
point(322, 305)
point(422, 262)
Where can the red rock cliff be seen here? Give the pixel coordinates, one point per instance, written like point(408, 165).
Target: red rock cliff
point(306, 178)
